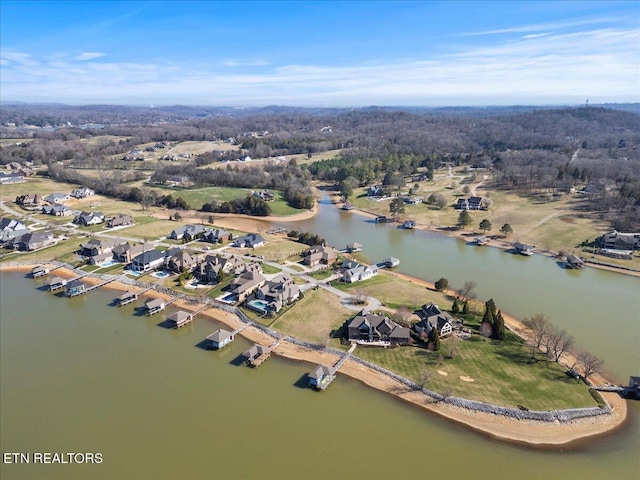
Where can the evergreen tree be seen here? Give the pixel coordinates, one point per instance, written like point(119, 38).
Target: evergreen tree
point(485, 225)
point(434, 339)
point(464, 219)
point(489, 312)
point(506, 229)
point(465, 308)
point(455, 308)
point(498, 328)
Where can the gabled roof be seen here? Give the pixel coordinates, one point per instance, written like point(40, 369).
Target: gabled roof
point(220, 335)
point(320, 371)
point(148, 257)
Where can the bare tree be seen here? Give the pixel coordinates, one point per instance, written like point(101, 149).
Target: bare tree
point(558, 342)
point(359, 297)
point(467, 291)
point(452, 347)
point(402, 315)
point(485, 329)
point(423, 379)
point(590, 364)
point(538, 327)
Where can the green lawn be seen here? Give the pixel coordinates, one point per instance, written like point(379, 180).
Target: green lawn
point(268, 269)
point(500, 371)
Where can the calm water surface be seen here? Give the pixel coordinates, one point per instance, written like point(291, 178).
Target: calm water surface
point(78, 375)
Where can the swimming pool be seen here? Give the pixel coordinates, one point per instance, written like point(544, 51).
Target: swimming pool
point(163, 274)
point(259, 306)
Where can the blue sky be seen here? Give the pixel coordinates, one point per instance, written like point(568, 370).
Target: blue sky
point(328, 53)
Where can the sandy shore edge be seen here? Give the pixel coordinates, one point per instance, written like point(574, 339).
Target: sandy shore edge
point(526, 432)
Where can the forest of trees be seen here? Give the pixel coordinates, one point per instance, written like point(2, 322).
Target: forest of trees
point(530, 150)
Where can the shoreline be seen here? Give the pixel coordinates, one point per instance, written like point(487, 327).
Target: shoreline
point(531, 433)
point(463, 235)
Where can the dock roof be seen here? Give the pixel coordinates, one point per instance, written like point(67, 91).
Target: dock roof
point(220, 335)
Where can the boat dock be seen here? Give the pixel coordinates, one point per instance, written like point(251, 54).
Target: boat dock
point(222, 337)
point(180, 318)
point(322, 376)
point(257, 354)
point(130, 296)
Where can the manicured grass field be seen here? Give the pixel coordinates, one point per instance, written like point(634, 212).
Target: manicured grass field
point(500, 371)
point(276, 249)
point(313, 317)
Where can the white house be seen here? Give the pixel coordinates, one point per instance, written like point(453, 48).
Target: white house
point(358, 273)
point(57, 198)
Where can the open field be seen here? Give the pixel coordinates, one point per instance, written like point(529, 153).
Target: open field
point(314, 317)
point(276, 249)
point(395, 292)
point(40, 185)
point(500, 371)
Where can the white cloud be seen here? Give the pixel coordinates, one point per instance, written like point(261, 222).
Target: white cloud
point(546, 68)
point(89, 55)
point(546, 26)
point(536, 35)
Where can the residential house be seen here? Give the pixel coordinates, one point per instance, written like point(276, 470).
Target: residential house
point(147, 261)
point(277, 293)
point(410, 200)
point(320, 375)
point(220, 338)
point(9, 224)
point(369, 327)
point(7, 236)
point(358, 273)
point(82, 192)
point(472, 203)
point(55, 198)
point(208, 270)
point(245, 284)
point(375, 191)
point(216, 235)
point(251, 240)
point(432, 317)
point(119, 221)
point(319, 255)
point(265, 195)
point(87, 219)
point(181, 261)
point(125, 252)
point(188, 232)
point(33, 241)
point(9, 178)
point(29, 200)
point(58, 210)
point(99, 246)
point(615, 240)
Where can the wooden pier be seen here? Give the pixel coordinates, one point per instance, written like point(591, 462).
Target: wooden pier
point(220, 338)
point(257, 354)
point(78, 287)
point(322, 376)
point(174, 299)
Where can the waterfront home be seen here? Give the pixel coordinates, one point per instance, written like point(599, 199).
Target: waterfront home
point(55, 198)
point(358, 273)
point(354, 247)
point(390, 262)
point(369, 327)
point(188, 232)
point(127, 251)
point(220, 338)
point(56, 283)
point(33, 241)
point(250, 240)
point(154, 305)
point(216, 235)
point(574, 261)
point(320, 376)
point(209, 270)
point(11, 224)
point(375, 191)
point(180, 318)
point(277, 293)
point(58, 210)
point(29, 200)
point(265, 195)
point(75, 287)
point(99, 246)
point(87, 219)
point(245, 284)
point(82, 192)
point(119, 221)
point(181, 261)
point(615, 240)
point(11, 229)
point(409, 200)
point(472, 203)
point(347, 206)
point(147, 261)
point(319, 255)
point(101, 259)
point(432, 317)
point(523, 248)
point(39, 271)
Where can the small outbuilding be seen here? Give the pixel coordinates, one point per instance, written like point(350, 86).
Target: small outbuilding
point(220, 338)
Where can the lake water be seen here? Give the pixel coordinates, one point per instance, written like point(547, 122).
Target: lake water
point(78, 375)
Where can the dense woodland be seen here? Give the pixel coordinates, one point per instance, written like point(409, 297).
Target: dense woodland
point(529, 150)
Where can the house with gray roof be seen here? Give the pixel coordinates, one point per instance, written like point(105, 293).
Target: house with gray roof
point(33, 241)
point(147, 261)
point(220, 338)
point(615, 240)
point(250, 240)
point(369, 327)
point(99, 246)
point(127, 251)
point(29, 200)
point(209, 270)
point(55, 198)
point(319, 255)
point(432, 317)
point(87, 219)
point(82, 192)
point(181, 261)
point(358, 273)
point(58, 210)
point(277, 293)
point(11, 229)
point(216, 235)
point(245, 284)
point(320, 375)
point(188, 232)
point(119, 221)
